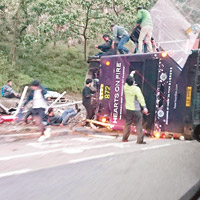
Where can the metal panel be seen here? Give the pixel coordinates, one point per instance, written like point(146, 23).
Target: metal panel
point(170, 31)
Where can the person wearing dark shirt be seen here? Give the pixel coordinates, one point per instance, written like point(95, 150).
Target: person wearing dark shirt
point(53, 119)
point(86, 95)
point(106, 48)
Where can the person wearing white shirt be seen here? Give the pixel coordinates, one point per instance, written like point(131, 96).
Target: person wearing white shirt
point(39, 106)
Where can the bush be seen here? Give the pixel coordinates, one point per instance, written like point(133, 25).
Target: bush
point(59, 68)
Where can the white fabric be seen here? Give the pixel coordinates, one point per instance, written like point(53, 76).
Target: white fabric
point(38, 100)
point(145, 34)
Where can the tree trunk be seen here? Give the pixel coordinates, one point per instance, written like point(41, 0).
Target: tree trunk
point(13, 52)
point(85, 48)
point(84, 32)
point(54, 44)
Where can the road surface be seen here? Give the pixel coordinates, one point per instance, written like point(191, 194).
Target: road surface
point(76, 167)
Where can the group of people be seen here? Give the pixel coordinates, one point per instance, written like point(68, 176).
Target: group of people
point(134, 102)
point(142, 35)
point(39, 110)
point(133, 95)
point(39, 106)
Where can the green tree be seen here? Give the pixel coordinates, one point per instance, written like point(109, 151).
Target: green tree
point(14, 20)
point(52, 22)
point(89, 18)
point(27, 22)
point(93, 17)
point(124, 12)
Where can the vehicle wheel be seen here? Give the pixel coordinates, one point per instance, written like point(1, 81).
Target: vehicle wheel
point(196, 133)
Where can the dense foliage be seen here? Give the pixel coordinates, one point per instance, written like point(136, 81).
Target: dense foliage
point(30, 30)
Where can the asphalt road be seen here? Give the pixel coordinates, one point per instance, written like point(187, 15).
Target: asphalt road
point(96, 168)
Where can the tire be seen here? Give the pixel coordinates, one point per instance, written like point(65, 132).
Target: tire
point(196, 133)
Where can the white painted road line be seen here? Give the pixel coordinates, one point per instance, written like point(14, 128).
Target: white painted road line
point(15, 173)
point(29, 154)
point(81, 139)
point(79, 149)
point(44, 145)
point(69, 150)
point(91, 158)
point(103, 136)
point(24, 171)
point(155, 147)
point(83, 148)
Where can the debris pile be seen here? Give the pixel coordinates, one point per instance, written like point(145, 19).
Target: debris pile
point(8, 108)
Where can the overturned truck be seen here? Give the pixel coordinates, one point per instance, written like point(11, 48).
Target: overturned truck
point(169, 80)
point(172, 93)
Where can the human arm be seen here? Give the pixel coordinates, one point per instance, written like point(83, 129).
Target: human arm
point(54, 120)
point(145, 111)
point(29, 113)
point(132, 73)
point(115, 30)
point(44, 90)
point(105, 46)
point(87, 92)
point(29, 98)
point(139, 17)
point(140, 98)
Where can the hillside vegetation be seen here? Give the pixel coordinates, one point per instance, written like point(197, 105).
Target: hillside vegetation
point(50, 40)
point(58, 68)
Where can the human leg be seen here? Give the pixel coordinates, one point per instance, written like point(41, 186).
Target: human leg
point(29, 113)
point(123, 41)
point(138, 122)
point(68, 116)
point(148, 38)
point(89, 110)
point(45, 133)
point(10, 96)
point(142, 36)
point(38, 115)
point(128, 122)
point(66, 112)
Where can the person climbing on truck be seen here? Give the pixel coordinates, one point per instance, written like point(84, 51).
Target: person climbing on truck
point(106, 48)
point(120, 37)
point(135, 33)
point(145, 21)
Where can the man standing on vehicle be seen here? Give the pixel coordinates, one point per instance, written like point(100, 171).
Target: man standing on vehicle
point(120, 36)
point(145, 21)
point(86, 96)
point(134, 100)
